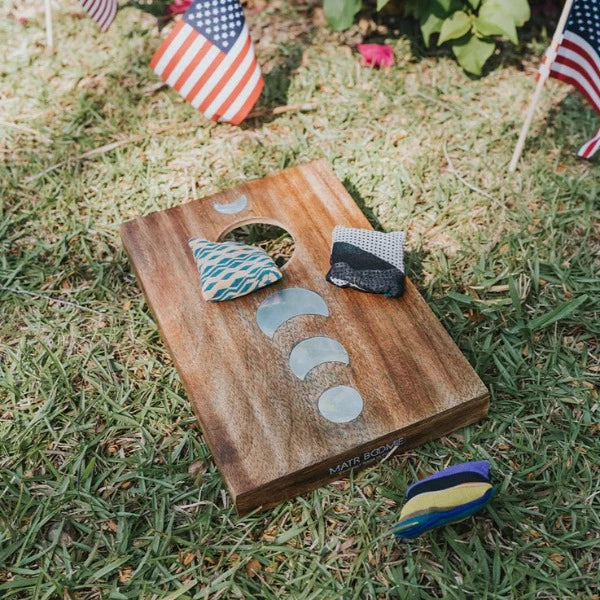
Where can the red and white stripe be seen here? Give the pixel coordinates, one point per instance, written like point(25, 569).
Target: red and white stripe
point(102, 11)
point(578, 63)
point(589, 148)
point(222, 85)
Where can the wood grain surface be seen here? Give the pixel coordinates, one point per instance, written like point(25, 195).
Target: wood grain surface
point(260, 421)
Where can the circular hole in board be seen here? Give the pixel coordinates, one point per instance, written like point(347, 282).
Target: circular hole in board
point(277, 242)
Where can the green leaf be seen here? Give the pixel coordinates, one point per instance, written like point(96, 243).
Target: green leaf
point(431, 24)
point(472, 53)
point(455, 27)
point(186, 587)
point(474, 3)
point(340, 13)
point(461, 298)
point(494, 19)
point(109, 568)
point(432, 14)
point(560, 312)
point(381, 4)
point(519, 9)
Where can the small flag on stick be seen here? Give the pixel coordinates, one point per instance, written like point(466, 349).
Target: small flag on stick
point(573, 57)
point(209, 59)
point(577, 59)
point(102, 11)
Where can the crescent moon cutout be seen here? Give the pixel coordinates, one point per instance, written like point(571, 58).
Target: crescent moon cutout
point(286, 304)
point(340, 404)
point(236, 206)
point(309, 353)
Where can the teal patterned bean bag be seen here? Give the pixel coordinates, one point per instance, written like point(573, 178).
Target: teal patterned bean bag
point(231, 269)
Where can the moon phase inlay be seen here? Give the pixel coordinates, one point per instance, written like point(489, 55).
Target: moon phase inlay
point(340, 404)
point(311, 352)
point(231, 208)
point(286, 304)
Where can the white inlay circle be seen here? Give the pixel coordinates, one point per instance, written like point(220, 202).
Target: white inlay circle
point(340, 404)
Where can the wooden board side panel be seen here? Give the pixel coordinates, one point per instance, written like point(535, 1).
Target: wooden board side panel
point(363, 456)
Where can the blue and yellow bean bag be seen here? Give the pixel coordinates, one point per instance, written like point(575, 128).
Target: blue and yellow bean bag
point(450, 495)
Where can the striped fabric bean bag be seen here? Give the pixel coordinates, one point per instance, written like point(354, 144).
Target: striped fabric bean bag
point(448, 496)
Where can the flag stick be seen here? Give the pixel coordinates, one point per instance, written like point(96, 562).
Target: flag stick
point(543, 76)
point(49, 36)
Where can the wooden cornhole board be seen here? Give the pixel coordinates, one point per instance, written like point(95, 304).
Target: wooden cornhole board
point(261, 421)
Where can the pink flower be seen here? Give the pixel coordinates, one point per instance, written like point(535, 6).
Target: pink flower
point(178, 7)
point(376, 55)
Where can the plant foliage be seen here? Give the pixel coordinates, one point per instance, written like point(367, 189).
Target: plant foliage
point(340, 13)
point(470, 27)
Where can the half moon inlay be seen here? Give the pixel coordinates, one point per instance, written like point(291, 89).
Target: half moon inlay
point(286, 304)
point(309, 353)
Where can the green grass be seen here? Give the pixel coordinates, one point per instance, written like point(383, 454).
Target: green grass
point(107, 488)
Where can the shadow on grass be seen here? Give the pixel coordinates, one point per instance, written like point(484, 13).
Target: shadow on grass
point(413, 266)
point(277, 82)
point(573, 116)
point(360, 201)
point(572, 122)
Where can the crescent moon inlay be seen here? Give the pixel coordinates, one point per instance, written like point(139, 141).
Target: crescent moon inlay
point(340, 404)
point(233, 207)
point(285, 304)
point(309, 353)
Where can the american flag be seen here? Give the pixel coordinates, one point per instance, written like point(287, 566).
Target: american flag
point(102, 11)
point(209, 59)
point(577, 59)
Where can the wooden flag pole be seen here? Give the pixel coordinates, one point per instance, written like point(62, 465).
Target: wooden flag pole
point(49, 36)
point(543, 76)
